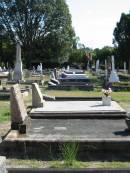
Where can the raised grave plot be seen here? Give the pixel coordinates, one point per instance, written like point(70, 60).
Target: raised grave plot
point(82, 109)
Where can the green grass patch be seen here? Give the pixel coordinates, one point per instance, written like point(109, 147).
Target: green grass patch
point(4, 111)
point(19, 163)
point(68, 153)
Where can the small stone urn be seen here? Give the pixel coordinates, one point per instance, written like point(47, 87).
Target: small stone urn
point(106, 100)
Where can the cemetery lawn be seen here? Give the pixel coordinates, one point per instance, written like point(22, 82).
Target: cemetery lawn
point(4, 111)
point(19, 163)
point(123, 98)
point(4, 117)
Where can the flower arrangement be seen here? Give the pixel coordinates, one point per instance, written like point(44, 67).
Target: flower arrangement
point(106, 92)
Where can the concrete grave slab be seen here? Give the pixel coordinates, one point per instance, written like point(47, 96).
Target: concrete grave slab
point(81, 130)
point(77, 108)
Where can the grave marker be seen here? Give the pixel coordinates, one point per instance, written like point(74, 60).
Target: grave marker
point(37, 98)
point(18, 110)
point(18, 72)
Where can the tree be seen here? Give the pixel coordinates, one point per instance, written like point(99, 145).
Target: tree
point(43, 26)
point(122, 38)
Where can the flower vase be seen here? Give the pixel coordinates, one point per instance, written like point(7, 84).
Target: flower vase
point(106, 100)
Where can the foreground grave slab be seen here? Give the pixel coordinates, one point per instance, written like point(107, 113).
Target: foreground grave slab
point(84, 109)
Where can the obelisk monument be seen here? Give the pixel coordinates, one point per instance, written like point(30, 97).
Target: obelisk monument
point(18, 72)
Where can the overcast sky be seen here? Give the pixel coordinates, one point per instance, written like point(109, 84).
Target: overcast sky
point(95, 20)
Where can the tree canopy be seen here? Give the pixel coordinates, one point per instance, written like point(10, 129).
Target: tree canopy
point(122, 38)
point(43, 26)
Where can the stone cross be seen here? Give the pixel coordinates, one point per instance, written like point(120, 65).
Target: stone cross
point(18, 110)
point(18, 73)
point(37, 98)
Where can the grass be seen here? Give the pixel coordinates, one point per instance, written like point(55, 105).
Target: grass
point(4, 111)
point(123, 98)
point(19, 163)
point(68, 153)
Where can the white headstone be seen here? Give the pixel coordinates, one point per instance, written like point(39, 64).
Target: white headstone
point(41, 68)
point(125, 67)
point(4, 68)
point(113, 76)
point(1, 69)
point(37, 97)
point(97, 66)
point(68, 67)
point(18, 72)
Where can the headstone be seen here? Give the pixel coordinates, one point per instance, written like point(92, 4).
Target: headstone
point(3, 164)
point(38, 68)
point(41, 68)
point(52, 75)
point(125, 67)
point(88, 66)
point(97, 66)
point(34, 70)
point(55, 73)
point(113, 76)
point(37, 97)
point(4, 68)
point(106, 73)
point(10, 76)
point(18, 110)
point(18, 73)
point(1, 69)
point(42, 79)
point(7, 64)
point(68, 67)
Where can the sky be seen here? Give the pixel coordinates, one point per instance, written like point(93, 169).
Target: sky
point(94, 20)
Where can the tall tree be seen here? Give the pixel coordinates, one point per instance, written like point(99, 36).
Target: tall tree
point(44, 25)
point(103, 53)
point(122, 38)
